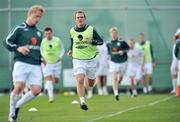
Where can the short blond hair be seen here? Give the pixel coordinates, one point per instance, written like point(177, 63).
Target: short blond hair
point(113, 29)
point(35, 8)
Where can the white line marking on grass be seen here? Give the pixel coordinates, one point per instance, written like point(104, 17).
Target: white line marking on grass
point(130, 109)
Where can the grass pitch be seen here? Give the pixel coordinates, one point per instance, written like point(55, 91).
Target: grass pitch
point(144, 108)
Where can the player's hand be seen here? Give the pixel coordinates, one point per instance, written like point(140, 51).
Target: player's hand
point(43, 61)
point(121, 52)
point(69, 53)
point(23, 49)
point(88, 40)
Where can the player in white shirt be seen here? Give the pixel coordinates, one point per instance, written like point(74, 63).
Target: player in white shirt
point(102, 70)
point(135, 65)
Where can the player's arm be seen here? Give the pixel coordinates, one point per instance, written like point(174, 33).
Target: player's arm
point(62, 50)
point(108, 48)
point(95, 40)
point(10, 41)
point(69, 53)
point(176, 51)
point(152, 54)
point(11, 45)
point(125, 47)
point(124, 50)
point(42, 58)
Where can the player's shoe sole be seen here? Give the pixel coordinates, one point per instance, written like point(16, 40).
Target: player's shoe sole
point(84, 106)
point(117, 97)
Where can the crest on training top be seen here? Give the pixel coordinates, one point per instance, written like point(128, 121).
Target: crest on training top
point(39, 34)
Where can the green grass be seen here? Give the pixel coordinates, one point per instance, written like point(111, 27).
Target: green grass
point(99, 106)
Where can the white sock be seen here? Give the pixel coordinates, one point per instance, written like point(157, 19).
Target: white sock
point(50, 89)
point(144, 90)
point(100, 92)
point(26, 89)
point(116, 92)
point(134, 92)
point(149, 88)
point(174, 81)
point(104, 89)
point(82, 100)
point(13, 101)
point(90, 92)
point(27, 97)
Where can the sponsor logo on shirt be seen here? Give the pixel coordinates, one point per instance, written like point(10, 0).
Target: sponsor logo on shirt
point(25, 29)
point(39, 34)
point(34, 47)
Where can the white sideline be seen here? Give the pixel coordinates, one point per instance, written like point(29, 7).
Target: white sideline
point(130, 109)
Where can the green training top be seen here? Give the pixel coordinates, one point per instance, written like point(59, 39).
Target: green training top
point(22, 35)
point(51, 50)
point(81, 49)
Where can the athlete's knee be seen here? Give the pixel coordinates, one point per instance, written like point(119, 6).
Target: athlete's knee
point(49, 77)
point(91, 82)
point(18, 88)
point(36, 90)
point(56, 80)
point(80, 79)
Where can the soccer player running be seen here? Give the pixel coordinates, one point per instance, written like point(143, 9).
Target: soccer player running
point(83, 50)
point(24, 40)
point(177, 53)
point(102, 69)
point(149, 63)
point(135, 65)
point(52, 50)
point(174, 66)
point(117, 49)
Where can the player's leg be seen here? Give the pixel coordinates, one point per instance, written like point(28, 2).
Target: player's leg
point(114, 67)
point(143, 79)
point(34, 80)
point(131, 72)
point(14, 98)
point(54, 79)
point(57, 72)
point(99, 85)
point(81, 90)
point(174, 71)
point(79, 68)
point(91, 75)
point(115, 84)
point(35, 90)
point(19, 76)
point(49, 80)
point(174, 82)
point(104, 85)
point(88, 88)
point(149, 76)
point(133, 86)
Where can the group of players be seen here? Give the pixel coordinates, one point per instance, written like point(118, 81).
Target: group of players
point(30, 49)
